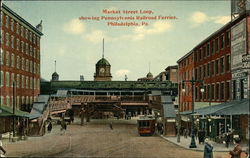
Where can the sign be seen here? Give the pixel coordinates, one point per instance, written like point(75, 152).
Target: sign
point(239, 75)
point(238, 44)
point(246, 65)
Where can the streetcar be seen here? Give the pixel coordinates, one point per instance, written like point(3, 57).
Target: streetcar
point(146, 125)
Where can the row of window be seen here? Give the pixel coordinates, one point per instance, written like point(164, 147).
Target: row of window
point(7, 79)
point(9, 59)
point(19, 29)
point(19, 46)
point(208, 49)
point(8, 100)
point(217, 91)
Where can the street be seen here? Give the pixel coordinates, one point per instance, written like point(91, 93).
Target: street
point(96, 139)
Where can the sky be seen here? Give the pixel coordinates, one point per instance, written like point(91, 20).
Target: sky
point(76, 44)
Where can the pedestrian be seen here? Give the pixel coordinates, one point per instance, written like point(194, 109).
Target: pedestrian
point(227, 139)
point(200, 136)
point(196, 133)
point(235, 153)
point(185, 133)
point(203, 135)
point(208, 149)
point(111, 125)
point(2, 151)
point(49, 127)
point(63, 127)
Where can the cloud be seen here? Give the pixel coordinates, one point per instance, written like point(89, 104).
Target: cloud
point(121, 73)
point(96, 36)
point(75, 26)
point(200, 17)
point(157, 27)
point(221, 19)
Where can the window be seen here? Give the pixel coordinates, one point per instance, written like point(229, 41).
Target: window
point(12, 60)
point(228, 38)
point(31, 66)
point(196, 74)
point(228, 63)
point(38, 68)
point(35, 83)
point(35, 68)
point(23, 63)
point(31, 50)
point(30, 36)
point(216, 66)
point(17, 80)
point(7, 39)
point(34, 39)
point(7, 58)
point(212, 68)
point(26, 34)
point(208, 69)
point(212, 89)
point(208, 49)
point(30, 82)
point(204, 71)
point(196, 55)
point(21, 31)
point(34, 52)
point(38, 54)
point(242, 89)
point(217, 91)
point(27, 65)
point(2, 37)
point(22, 46)
point(17, 44)
point(7, 79)
point(2, 79)
point(227, 90)
point(204, 52)
point(208, 92)
point(2, 57)
point(17, 28)
point(12, 25)
point(205, 92)
point(27, 82)
point(222, 67)
point(216, 44)
point(27, 48)
point(7, 21)
point(200, 73)
point(222, 91)
point(12, 79)
point(200, 55)
point(12, 41)
point(18, 62)
point(221, 41)
point(22, 81)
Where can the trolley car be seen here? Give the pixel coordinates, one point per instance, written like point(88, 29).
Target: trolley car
point(146, 125)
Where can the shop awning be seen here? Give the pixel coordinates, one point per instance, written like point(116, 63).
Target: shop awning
point(235, 107)
point(241, 108)
point(6, 111)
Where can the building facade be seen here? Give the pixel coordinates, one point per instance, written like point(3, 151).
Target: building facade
point(103, 70)
point(20, 60)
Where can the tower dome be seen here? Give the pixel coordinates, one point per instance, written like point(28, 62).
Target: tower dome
point(55, 76)
point(149, 75)
point(103, 62)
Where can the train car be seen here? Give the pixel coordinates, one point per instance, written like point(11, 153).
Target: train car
point(146, 125)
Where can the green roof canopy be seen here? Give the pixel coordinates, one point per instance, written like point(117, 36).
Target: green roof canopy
point(6, 111)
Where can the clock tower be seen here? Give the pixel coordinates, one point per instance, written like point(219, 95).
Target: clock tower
point(102, 69)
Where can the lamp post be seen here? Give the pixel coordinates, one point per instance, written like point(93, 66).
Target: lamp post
point(192, 81)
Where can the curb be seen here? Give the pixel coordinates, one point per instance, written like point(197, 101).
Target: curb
point(194, 149)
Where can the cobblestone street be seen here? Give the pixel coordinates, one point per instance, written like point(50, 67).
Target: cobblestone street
point(97, 140)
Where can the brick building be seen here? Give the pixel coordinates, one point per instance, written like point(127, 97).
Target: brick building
point(20, 60)
point(170, 74)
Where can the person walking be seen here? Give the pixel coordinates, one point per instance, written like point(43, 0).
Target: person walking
point(49, 127)
point(2, 150)
point(208, 149)
point(227, 140)
point(236, 152)
point(111, 125)
point(63, 127)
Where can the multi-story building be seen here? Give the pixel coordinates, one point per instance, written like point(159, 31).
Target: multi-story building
point(20, 60)
point(170, 74)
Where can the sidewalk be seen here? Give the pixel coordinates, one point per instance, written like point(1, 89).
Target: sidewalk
point(185, 142)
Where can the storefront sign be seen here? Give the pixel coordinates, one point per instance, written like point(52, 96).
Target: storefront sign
point(239, 75)
point(246, 61)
